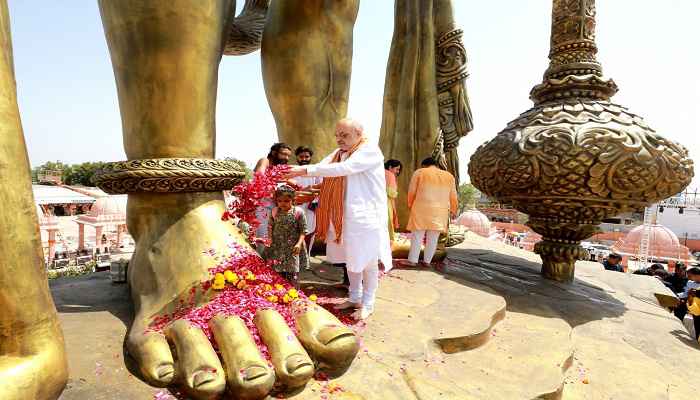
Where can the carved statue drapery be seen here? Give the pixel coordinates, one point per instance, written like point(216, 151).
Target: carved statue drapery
point(426, 109)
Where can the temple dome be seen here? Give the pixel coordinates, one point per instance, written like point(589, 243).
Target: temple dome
point(476, 222)
point(108, 206)
point(663, 243)
point(107, 209)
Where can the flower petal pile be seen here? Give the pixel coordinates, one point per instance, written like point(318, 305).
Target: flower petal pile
point(253, 194)
point(242, 283)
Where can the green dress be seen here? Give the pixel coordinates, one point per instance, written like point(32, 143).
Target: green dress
point(286, 228)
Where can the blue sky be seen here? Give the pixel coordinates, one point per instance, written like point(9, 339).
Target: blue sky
point(69, 103)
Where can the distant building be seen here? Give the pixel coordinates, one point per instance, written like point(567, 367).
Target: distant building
point(50, 177)
point(663, 244)
point(60, 200)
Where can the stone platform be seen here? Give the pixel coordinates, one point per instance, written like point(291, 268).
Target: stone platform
point(489, 327)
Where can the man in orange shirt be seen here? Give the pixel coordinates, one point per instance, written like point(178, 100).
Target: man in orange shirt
point(432, 199)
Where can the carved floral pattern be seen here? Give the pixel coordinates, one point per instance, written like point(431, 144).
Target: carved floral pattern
point(453, 104)
point(576, 158)
point(169, 175)
point(593, 157)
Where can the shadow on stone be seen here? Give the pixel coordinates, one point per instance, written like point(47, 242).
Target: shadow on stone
point(518, 280)
point(685, 338)
point(92, 293)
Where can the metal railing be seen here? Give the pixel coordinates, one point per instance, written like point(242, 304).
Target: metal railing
point(643, 257)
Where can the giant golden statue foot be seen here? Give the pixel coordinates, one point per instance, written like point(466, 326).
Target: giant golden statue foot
point(165, 55)
point(33, 362)
point(176, 236)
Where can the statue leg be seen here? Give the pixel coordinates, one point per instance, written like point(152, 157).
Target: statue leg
point(306, 62)
point(424, 92)
point(165, 55)
point(33, 363)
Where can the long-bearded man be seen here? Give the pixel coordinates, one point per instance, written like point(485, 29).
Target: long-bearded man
point(279, 155)
point(352, 214)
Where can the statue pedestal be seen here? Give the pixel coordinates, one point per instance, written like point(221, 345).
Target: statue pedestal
point(445, 336)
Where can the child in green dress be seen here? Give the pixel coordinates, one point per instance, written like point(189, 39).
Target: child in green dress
point(286, 230)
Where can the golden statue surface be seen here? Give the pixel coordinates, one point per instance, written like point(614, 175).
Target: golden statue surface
point(167, 84)
point(572, 160)
point(577, 158)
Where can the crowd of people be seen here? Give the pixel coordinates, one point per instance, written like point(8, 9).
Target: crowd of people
point(684, 282)
point(349, 201)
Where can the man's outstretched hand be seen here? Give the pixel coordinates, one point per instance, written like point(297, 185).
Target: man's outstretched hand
point(294, 172)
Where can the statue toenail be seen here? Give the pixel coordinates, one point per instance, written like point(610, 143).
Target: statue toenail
point(331, 334)
point(202, 377)
point(254, 372)
point(165, 372)
point(296, 361)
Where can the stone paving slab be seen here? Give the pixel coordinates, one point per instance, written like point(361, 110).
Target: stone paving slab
point(626, 346)
point(606, 327)
point(414, 309)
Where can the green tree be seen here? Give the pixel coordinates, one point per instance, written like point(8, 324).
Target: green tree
point(48, 168)
point(82, 174)
point(468, 196)
point(243, 165)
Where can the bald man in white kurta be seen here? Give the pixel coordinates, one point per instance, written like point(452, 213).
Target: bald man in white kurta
point(365, 237)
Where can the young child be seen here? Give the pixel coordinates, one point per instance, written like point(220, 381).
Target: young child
point(286, 230)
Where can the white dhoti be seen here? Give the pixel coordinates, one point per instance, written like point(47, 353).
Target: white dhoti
point(365, 236)
point(363, 286)
point(335, 252)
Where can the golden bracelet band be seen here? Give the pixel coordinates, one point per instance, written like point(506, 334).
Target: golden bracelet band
point(169, 175)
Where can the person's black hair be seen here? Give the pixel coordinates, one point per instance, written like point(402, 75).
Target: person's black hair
point(284, 190)
point(660, 273)
point(656, 266)
point(303, 149)
point(428, 162)
point(615, 255)
point(277, 147)
point(392, 163)
point(693, 271)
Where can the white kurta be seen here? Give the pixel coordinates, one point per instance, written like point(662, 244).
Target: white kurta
point(306, 181)
point(365, 236)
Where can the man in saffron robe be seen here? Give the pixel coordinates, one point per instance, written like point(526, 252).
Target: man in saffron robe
point(432, 199)
point(352, 215)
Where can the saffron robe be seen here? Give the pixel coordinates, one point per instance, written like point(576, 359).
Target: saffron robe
point(431, 198)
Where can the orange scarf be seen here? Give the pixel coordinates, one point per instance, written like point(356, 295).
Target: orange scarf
point(330, 201)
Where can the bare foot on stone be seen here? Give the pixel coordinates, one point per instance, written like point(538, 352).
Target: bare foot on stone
point(347, 305)
point(173, 233)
